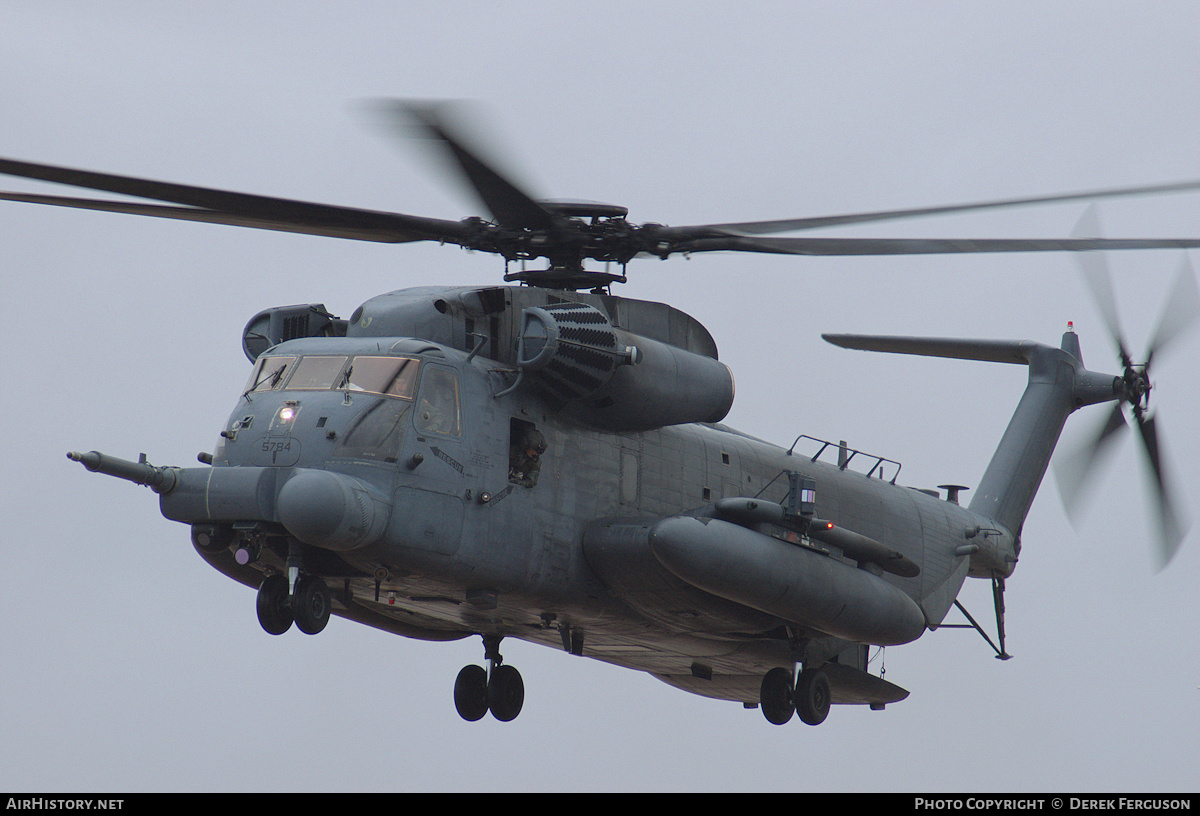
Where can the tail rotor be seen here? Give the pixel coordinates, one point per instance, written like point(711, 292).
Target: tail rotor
point(1181, 313)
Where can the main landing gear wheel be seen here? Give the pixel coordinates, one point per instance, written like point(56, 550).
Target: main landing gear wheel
point(775, 696)
point(273, 605)
point(810, 696)
point(813, 696)
point(498, 688)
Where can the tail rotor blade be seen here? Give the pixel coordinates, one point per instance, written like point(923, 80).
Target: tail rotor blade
point(1075, 471)
point(1172, 527)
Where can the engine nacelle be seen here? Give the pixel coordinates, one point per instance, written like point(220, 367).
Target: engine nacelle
point(271, 327)
point(612, 379)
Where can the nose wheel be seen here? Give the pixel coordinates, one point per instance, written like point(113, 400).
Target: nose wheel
point(274, 610)
point(498, 688)
point(311, 604)
point(279, 605)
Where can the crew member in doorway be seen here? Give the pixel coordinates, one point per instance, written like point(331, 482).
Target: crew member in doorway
point(525, 458)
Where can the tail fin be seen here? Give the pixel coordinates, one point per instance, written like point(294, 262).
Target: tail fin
point(1058, 384)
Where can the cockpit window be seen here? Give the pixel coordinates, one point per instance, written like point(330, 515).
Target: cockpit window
point(377, 434)
point(316, 373)
point(438, 409)
point(269, 373)
point(394, 376)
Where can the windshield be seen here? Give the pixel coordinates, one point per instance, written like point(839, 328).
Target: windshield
point(390, 376)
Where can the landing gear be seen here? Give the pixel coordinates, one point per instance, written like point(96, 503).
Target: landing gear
point(309, 606)
point(498, 689)
point(809, 696)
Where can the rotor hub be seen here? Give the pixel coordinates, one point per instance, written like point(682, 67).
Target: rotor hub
point(1137, 388)
point(572, 278)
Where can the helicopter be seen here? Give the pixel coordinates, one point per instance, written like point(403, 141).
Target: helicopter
point(545, 460)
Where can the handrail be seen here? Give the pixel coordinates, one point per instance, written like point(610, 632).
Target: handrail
point(845, 454)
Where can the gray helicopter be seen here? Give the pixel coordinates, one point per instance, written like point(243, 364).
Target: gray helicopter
point(545, 461)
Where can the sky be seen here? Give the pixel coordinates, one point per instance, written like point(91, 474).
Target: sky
point(130, 665)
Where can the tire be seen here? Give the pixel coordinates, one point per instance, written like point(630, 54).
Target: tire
point(312, 604)
point(471, 693)
point(775, 696)
point(274, 611)
point(505, 693)
point(813, 696)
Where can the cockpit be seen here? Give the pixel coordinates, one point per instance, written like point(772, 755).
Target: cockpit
point(379, 393)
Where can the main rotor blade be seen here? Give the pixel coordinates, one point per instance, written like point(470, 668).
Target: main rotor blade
point(399, 232)
point(239, 209)
point(508, 203)
point(792, 224)
point(1181, 312)
point(1094, 266)
point(917, 246)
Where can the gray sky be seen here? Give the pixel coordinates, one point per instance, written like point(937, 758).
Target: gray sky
point(131, 665)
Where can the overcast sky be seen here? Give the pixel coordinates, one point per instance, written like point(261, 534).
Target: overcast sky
point(131, 665)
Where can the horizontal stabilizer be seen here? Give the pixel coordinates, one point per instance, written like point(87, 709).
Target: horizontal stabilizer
point(992, 351)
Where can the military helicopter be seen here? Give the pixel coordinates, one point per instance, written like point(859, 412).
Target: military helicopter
point(545, 461)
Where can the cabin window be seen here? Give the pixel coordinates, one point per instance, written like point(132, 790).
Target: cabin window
point(629, 477)
point(437, 411)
